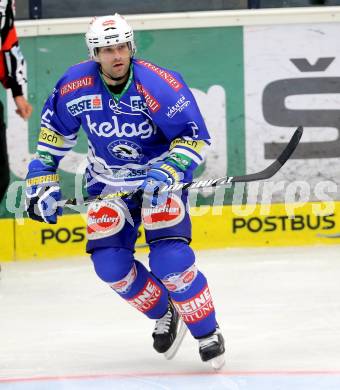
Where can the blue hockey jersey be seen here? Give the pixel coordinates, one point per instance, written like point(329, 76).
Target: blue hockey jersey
point(155, 116)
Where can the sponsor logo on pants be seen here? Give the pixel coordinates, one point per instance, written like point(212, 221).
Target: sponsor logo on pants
point(104, 219)
point(171, 213)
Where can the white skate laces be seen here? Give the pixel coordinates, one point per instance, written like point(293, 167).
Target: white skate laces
point(168, 333)
point(163, 324)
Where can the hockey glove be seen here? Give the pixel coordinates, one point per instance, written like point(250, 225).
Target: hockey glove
point(42, 192)
point(161, 174)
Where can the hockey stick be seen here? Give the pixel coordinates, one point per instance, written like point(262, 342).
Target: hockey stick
point(267, 173)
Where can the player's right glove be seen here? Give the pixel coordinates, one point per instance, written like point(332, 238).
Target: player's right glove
point(42, 192)
point(161, 174)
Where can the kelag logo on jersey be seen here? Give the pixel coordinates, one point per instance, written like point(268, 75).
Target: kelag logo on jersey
point(125, 150)
point(84, 103)
point(143, 130)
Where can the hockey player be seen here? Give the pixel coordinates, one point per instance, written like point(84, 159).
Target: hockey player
point(144, 131)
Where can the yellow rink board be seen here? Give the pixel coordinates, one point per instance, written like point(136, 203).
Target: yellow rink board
point(6, 239)
point(46, 241)
point(219, 227)
point(35, 240)
point(273, 225)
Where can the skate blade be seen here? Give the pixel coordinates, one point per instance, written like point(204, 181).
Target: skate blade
point(217, 363)
point(171, 352)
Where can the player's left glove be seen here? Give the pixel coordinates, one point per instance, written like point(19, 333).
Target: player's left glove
point(42, 192)
point(161, 174)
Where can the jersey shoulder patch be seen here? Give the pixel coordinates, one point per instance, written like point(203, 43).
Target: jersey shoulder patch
point(78, 77)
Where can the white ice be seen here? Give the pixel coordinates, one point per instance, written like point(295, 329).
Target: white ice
point(278, 308)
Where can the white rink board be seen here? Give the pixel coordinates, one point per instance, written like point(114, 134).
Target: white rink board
point(268, 51)
point(279, 309)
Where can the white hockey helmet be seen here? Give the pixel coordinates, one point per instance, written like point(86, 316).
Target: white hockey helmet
point(109, 30)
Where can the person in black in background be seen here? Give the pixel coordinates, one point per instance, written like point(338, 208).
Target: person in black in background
point(12, 76)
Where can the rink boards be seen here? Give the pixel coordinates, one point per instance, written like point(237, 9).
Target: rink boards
point(283, 72)
point(213, 227)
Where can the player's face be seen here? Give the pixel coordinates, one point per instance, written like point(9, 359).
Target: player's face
point(115, 59)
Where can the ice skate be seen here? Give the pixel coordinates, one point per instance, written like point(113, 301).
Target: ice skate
point(169, 332)
point(211, 349)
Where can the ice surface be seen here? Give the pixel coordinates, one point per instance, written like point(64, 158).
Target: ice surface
point(279, 310)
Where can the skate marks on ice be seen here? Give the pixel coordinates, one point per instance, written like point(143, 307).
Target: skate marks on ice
point(279, 310)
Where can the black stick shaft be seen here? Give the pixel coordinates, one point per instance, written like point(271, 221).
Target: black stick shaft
point(267, 173)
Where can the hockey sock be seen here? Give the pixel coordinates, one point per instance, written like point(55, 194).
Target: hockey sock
point(173, 262)
point(131, 280)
